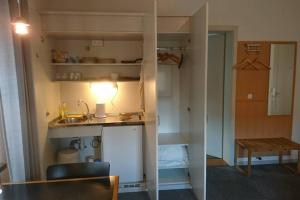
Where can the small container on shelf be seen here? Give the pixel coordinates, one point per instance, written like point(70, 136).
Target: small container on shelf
point(59, 56)
point(59, 76)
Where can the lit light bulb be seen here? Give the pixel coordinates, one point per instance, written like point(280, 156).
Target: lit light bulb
point(21, 26)
point(104, 91)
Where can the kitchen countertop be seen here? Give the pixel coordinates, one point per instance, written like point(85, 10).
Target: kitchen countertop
point(107, 121)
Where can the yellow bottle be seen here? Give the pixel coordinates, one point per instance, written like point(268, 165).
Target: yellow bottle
point(62, 109)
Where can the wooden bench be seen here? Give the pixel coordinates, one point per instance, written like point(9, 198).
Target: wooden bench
point(275, 145)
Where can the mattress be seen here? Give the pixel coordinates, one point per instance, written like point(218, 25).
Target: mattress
point(173, 157)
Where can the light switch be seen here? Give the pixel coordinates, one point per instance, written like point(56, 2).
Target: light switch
point(97, 43)
point(250, 96)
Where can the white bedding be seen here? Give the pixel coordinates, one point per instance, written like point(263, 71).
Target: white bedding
point(172, 157)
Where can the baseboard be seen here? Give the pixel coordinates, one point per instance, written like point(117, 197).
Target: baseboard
point(265, 160)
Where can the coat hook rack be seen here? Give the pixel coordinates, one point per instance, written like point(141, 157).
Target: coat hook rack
point(253, 47)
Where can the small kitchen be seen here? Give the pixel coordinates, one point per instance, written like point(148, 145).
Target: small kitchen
point(99, 101)
point(96, 95)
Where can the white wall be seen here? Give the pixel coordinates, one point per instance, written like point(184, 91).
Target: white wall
point(275, 20)
point(168, 106)
point(46, 92)
point(126, 100)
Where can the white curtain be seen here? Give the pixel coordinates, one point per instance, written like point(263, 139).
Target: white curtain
point(10, 97)
point(3, 147)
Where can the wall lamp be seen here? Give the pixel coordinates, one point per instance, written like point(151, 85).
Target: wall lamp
point(21, 26)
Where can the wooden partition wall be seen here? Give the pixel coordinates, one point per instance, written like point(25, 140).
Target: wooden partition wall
point(252, 83)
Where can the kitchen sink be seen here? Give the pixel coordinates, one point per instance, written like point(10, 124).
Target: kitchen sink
point(72, 120)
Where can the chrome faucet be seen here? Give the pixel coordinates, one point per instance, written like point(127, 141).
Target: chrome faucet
point(88, 114)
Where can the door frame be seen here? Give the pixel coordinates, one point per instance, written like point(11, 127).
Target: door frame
point(229, 133)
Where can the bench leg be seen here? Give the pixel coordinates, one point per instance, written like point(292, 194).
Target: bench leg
point(236, 154)
point(249, 162)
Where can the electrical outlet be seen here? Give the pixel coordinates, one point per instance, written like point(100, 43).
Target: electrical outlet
point(97, 43)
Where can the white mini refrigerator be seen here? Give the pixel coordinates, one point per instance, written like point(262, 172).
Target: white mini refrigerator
point(122, 148)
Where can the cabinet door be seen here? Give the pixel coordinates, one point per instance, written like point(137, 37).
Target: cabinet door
point(197, 146)
point(150, 98)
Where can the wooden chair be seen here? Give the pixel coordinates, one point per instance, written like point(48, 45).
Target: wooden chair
point(78, 170)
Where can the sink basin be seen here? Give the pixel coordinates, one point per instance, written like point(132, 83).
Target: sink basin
point(72, 120)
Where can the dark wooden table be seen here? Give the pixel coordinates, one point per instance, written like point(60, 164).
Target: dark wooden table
point(100, 188)
point(260, 145)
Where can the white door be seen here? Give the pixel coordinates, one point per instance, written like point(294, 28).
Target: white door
point(197, 145)
point(150, 99)
point(215, 94)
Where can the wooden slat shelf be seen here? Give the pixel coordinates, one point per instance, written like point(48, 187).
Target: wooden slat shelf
point(268, 144)
point(276, 145)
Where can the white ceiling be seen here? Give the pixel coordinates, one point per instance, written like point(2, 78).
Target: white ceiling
point(165, 7)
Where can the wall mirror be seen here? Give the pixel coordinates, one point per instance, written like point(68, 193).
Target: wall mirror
point(281, 79)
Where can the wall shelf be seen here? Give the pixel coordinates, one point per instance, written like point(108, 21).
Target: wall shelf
point(121, 79)
point(172, 139)
point(175, 167)
point(96, 64)
point(95, 35)
point(174, 179)
point(171, 176)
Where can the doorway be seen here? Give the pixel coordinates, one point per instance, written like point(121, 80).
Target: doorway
point(215, 94)
point(219, 95)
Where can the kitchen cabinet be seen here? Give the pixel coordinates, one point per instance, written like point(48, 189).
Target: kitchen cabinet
point(122, 148)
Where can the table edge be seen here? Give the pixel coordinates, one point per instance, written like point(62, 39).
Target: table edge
point(116, 180)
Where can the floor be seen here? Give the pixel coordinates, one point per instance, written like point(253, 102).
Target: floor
point(268, 182)
point(213, 161)
point(163, 195)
